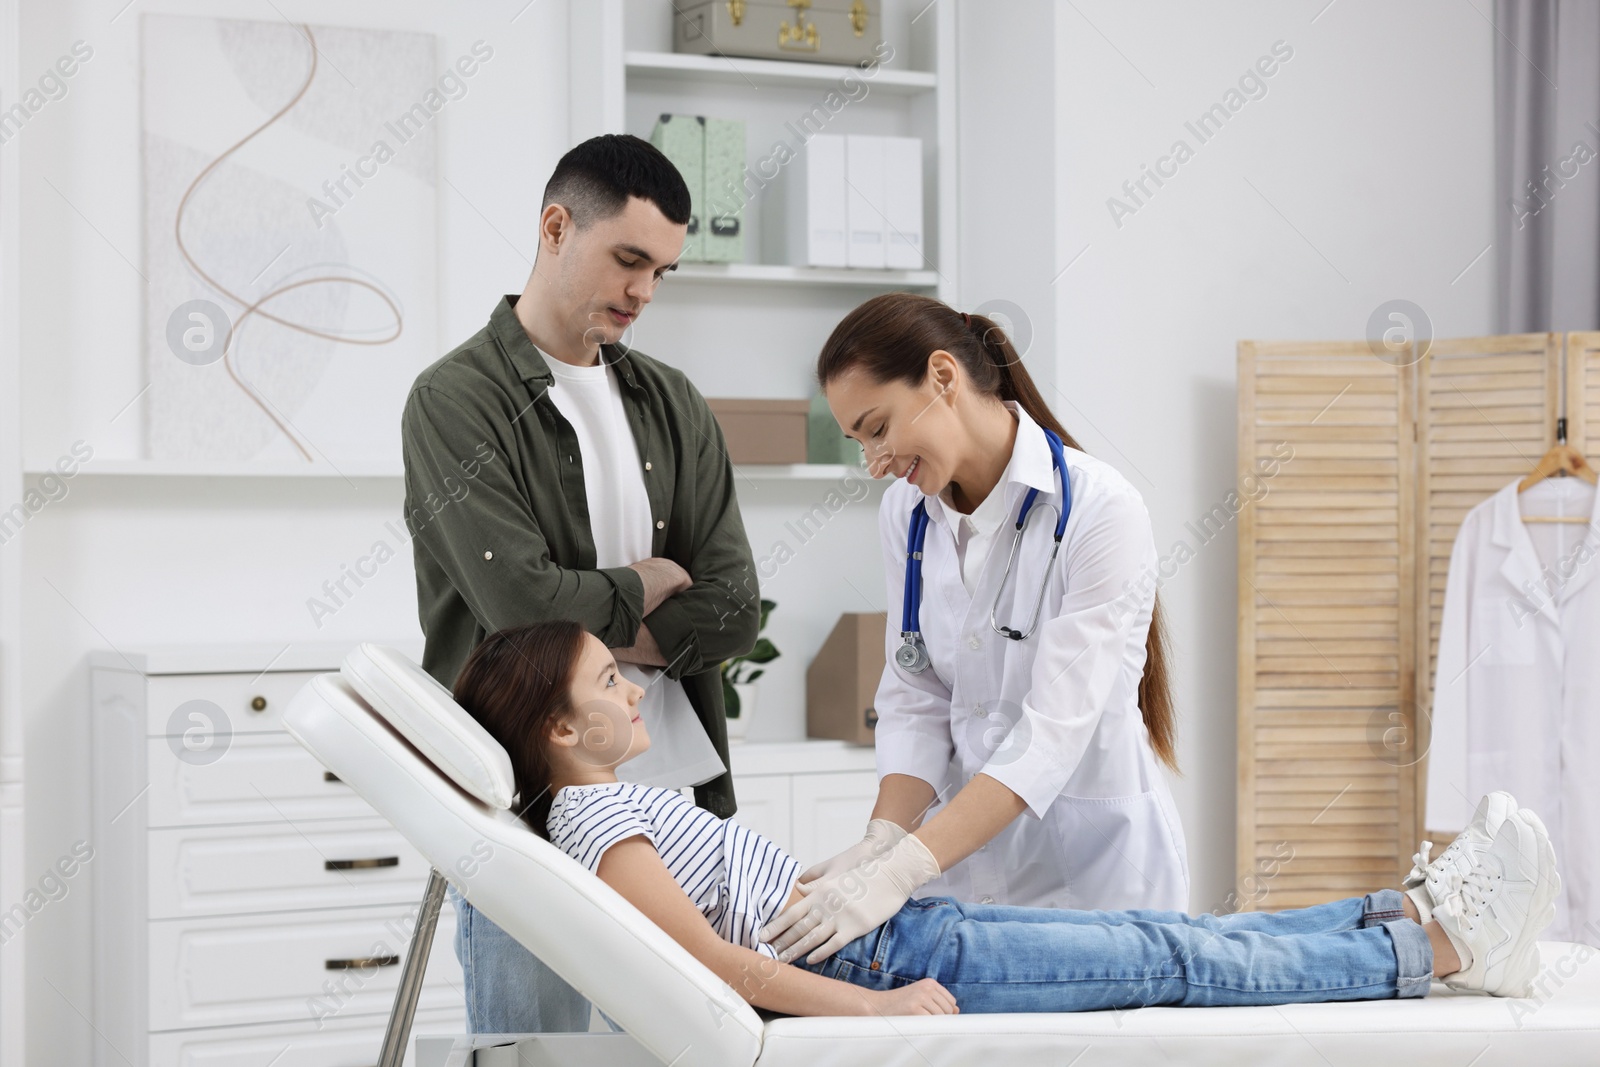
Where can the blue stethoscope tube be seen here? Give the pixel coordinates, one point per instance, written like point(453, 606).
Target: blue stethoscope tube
point(912, 655)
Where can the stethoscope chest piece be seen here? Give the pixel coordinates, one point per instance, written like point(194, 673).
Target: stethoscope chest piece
point(913, 654)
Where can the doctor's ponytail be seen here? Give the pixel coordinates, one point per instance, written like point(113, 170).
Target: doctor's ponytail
point(890, 338)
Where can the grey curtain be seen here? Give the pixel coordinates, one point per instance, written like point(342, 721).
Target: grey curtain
point(1547, 164)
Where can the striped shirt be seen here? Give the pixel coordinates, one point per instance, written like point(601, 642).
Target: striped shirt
point(738, 879)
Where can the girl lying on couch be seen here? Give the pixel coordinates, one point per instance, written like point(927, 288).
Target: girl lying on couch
point(551, 694)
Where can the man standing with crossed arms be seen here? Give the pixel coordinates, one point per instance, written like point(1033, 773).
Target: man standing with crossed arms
point(553, 472)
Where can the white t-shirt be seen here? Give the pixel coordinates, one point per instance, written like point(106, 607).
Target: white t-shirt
point(589, 398)
point(737, 878)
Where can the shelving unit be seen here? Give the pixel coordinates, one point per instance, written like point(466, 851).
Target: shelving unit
point(754, 329)
point(783, 274)
point(632, 75)
point(147, 468)
point(770, 72)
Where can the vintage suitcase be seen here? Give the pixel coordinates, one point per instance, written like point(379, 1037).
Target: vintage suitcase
point(819, 31)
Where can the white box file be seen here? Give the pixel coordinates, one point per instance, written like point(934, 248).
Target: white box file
point(864, 201)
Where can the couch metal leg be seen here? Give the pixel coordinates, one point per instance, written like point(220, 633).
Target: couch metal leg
point(410, 988)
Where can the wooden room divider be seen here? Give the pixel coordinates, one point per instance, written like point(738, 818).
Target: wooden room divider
point(1361, 468)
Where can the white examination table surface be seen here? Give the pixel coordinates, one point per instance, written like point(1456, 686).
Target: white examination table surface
point(394, 735)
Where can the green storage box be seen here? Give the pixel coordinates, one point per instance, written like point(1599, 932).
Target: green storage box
point(724, 198)
point(825, 442)
point(682, 139)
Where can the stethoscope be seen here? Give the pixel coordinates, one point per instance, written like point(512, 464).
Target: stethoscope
point(913, 654)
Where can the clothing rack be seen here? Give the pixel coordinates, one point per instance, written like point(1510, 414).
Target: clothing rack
point(1342, 562)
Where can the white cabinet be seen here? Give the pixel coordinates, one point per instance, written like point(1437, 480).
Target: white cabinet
point(247, 904)
point(765, 807)
point(831, 811)
point(812, 798)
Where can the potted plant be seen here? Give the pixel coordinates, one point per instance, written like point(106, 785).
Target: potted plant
point(739, 674)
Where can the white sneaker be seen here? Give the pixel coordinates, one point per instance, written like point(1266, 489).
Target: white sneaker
point(1430, 884)
point(1505, 901)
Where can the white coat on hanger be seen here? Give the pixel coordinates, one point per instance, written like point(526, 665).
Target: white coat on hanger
point(1516, 698)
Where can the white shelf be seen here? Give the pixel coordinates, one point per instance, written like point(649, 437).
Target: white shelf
point(816, 472)
point(779, 274)
point(161, 468)
point(147, 468)
point(239, 657)
point(772, 72)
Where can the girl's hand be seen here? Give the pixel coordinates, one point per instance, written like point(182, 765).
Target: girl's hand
point(922, 997)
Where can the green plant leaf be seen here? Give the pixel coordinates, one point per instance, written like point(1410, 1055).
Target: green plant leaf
point(763, 652)
point(758, 672)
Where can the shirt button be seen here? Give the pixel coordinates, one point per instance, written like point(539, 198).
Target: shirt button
point(977, 709)
point(661, 524)
point(988, 900)
point(646, 464)
point(488, 555)
point(974, 642)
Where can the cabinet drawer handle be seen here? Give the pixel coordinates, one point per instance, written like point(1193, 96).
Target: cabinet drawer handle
point(361, 963)
point(329, 776)
point(258, 703)
point(358, 865)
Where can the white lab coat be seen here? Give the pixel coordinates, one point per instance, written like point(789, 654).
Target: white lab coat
point(1055, 717)
point(1516, 696)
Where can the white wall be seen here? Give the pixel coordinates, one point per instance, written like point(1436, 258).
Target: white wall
point(127, 560)
point(1006, 187)
point(1364, 174)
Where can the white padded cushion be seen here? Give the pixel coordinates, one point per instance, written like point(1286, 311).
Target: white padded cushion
point(587, 932)
point(427, 715)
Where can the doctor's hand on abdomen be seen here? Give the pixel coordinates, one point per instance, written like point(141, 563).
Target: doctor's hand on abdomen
point(881, 836)
point(842, 906)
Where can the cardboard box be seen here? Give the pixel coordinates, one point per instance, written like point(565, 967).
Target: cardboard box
point(843, 680)
point(763, 431)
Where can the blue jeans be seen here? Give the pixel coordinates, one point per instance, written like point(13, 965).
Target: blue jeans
point(995, 958)
point(509, 990)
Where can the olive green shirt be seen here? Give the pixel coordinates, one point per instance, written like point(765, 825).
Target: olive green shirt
point(499, 517)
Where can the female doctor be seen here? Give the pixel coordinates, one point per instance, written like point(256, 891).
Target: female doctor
point(1024, 707)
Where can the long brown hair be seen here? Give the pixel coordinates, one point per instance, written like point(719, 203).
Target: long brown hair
point(890, 338)
point(518, 684)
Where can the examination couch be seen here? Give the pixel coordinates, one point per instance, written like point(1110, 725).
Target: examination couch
point(395, 735)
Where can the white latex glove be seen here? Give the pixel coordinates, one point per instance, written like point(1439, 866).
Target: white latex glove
point(843, 906)
point(880, 838)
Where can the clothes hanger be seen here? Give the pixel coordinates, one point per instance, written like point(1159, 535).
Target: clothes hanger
point(1561, 461)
